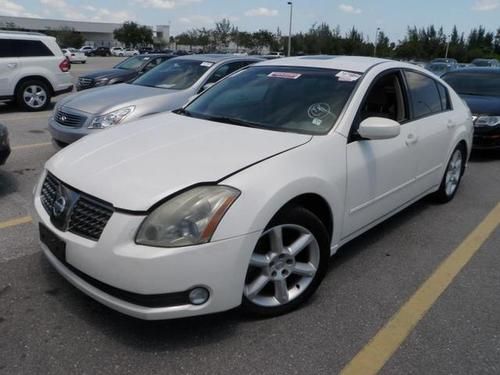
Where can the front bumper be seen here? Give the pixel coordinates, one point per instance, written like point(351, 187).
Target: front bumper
point(67, 134)
point(116, 263)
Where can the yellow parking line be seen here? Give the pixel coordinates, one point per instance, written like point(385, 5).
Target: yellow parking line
point(34, 145)
point(13, 222)
point(382, 346)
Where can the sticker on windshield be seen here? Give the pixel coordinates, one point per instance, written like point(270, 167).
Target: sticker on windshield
point(347, 76)
point(319, 111)
point(147, 58)
point(207, 64)
point(317, 122)
point(285, 75)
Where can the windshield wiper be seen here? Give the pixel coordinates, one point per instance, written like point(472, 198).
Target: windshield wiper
point(234, 121)
point(183, 111)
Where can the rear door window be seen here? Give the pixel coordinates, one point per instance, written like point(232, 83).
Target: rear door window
point(28, 48)
point(424, 94)
point(6, 49)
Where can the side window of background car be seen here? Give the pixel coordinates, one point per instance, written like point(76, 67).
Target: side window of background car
point(425, 96)
point(445, 97)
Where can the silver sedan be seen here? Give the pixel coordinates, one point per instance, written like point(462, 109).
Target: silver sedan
point(164, 88)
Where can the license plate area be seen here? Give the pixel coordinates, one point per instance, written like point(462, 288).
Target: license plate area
point(56, 246)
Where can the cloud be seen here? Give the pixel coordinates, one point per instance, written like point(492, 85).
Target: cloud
point(261, 12)
point(86, 12)
point(485, 5)
point(11, 8)
point(165, 4)
point(205, 20)
point(349, 9)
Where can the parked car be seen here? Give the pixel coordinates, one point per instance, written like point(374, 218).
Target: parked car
point(125, 71)
point(86, 50)
point(74, 55)
point(100, 51)
point(440, 68)
point(445, 60)
point(130, 52)
point(32, 70)
point(146, 50)
point(117, 51)
point(4, 144)
point(486, 63)
point(164, 88)
point(480, 88)
point(241, 197)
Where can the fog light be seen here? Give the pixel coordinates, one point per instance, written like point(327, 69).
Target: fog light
point(198, 296)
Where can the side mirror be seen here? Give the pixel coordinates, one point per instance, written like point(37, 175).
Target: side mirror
point(379, 128)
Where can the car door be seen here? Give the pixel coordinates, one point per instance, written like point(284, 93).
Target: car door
point(434, 123)
point(380, 173)
point(9, 65)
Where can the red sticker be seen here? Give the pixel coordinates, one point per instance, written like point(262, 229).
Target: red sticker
point(284, 75)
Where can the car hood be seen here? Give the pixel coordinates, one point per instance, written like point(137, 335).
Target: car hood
point(487, 105)
point(136, 165)
point(110, 73)
point(105, 99)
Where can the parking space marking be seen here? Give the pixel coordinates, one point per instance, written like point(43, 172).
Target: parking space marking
point(14, 222)
point(384, 344)
point(34, 145)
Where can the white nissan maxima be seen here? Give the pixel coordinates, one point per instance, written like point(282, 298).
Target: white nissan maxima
point(240, 197)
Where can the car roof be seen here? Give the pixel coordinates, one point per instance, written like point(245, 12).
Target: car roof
point(477, 70)
point(24, 35)
point(154, 55)
point(216, 58)
point(353, 63)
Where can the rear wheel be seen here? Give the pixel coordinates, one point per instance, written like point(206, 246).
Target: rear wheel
point(287, 265)
point(33, 95)
point(452, 177)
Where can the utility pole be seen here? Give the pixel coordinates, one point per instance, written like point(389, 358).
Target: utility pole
point(290, 29)
point(376, 42)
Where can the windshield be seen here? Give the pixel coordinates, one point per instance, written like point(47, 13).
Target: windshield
point(176, 74)
point(484, 84)
point(438, 67)
point(302, 100)
point(132, 63)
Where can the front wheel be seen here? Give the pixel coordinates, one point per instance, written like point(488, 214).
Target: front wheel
point(287, 264)
point(452, 177)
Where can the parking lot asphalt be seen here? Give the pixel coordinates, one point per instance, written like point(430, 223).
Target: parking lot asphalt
point(49, 327)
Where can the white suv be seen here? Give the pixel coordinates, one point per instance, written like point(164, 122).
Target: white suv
point(117, 51)
point(32, 70)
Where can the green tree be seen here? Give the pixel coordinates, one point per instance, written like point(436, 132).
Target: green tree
point(67, 37)
point(133, 35)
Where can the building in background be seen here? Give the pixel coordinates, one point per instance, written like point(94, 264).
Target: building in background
point(95, 33)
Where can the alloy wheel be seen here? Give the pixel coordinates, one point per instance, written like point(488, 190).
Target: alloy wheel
point(282, 266)
point(35, 96)
point(454, 172)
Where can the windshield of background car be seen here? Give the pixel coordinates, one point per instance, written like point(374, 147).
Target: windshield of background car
point(176, 74)
point(482, 84)
point(295, 99)
point(133, 62)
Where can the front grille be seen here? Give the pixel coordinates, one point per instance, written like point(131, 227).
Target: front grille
point(87, 216)
point(85, 83)
point(69, 119)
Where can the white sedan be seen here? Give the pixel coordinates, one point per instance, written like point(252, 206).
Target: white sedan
point(241, 197)
point(129, 52)
point(74, 55)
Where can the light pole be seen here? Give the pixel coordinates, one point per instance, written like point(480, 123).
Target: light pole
point(290, 29)
point(447, 47)
point(376, 42)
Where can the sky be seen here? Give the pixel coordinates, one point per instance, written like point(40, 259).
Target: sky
point(391, 16)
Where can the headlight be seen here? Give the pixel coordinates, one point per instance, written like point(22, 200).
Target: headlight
point(487, 121)
point(101, 82)
point(111, 118)
point(187, 219)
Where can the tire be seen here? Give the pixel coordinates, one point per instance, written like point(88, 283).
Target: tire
point(84, 62)
point(33, 95)
point(120, 54)
point(452, 176)
point(297, 262)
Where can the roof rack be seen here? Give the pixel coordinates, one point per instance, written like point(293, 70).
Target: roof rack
point(21, 32)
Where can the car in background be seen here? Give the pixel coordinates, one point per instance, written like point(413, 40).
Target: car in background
point(480, 89)
point(74, 55)
point(33, 69)
point(4, 144)
point(164, 88)
point(486, 63)
point(440, 68)
point(86, 49)
point(146, 50)
point(445, 60)
point(125, 71)
point(99, 51)
point(117, 51)
point(130, 52)
point(242, 196)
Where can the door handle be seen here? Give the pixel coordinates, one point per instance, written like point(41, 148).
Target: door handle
point(411, 139)
point(451, 124)
point(12, 65)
